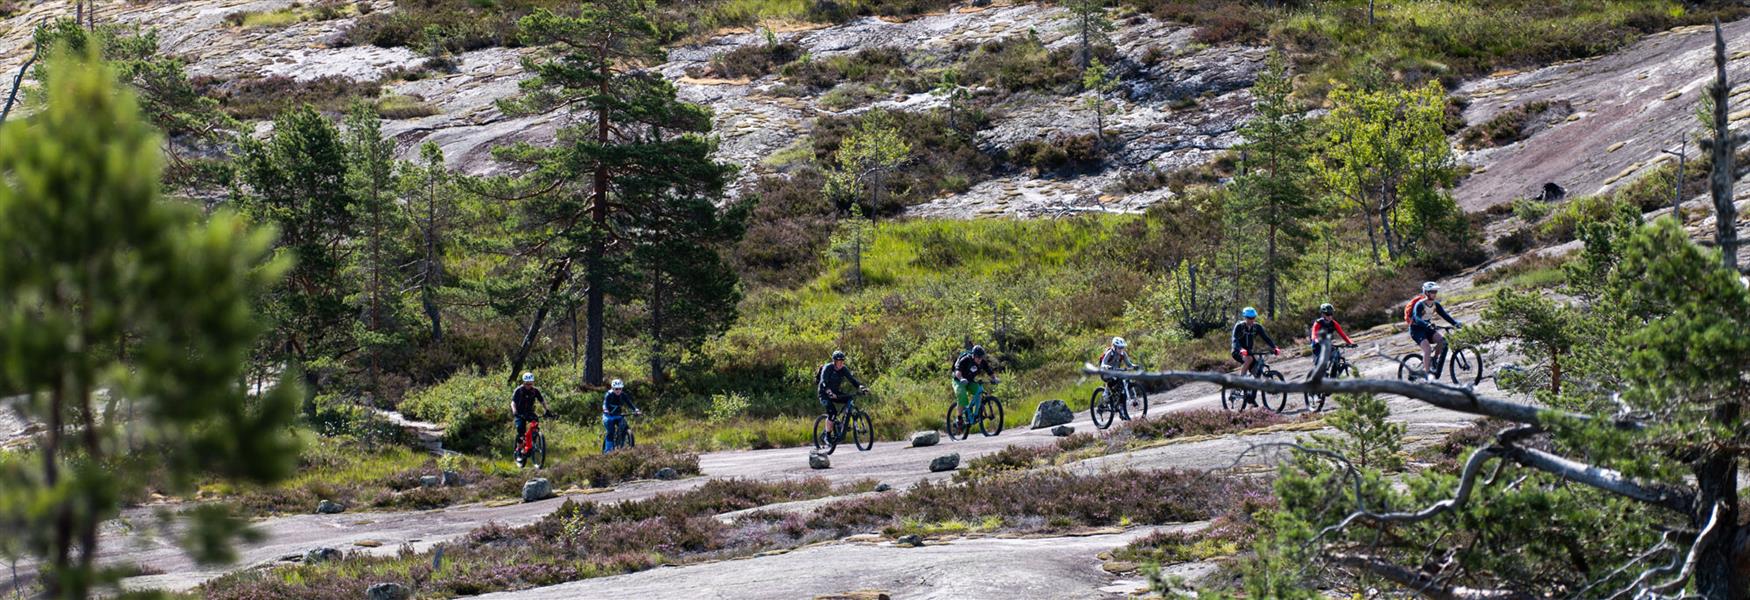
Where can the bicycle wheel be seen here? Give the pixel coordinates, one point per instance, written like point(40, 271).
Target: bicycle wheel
point(538, 453)
point(1410, 367)
point(1229, 401)
point(1280, 398)
point(1138, 406)
point(1466, 366)
point(823, 438)
point(990, 418)
point(1314, 402)
point(1100, 410)
point(629, 439)
point(955, 423)
point(862, 431)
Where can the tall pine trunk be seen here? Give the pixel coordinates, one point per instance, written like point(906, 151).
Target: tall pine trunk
point(657, 301)
point(597, 255)
point(433, 270)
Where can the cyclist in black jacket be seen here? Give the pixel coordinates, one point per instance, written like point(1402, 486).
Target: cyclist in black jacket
point(828, 381)
point(1245, 333)
point(615, 406)
point(522, 408)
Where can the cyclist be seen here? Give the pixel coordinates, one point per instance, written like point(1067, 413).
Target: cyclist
point(828, 381)
point(1245, 333)
point(615, 406)
point(1327, 321)
point(1422, 330)
point(1116, 357)
point(966, 386)
point(522, 407)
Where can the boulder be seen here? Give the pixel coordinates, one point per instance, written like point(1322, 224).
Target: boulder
point(1052, 413)
point(910, 540)
point(817, 460)
point(882, 487)
point(452, 478)
point(388, 591)
point(666, 474)
point(945, 463)
point(925, 438)
point(329, 507)
point(429, 480)
point(321, 555)
point(1062, 430)
point(537, 489)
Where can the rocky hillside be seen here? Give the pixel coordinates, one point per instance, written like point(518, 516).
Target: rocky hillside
point(1586, 125)
point(1182, 100)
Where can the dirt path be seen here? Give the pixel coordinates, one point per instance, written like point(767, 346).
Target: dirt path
point(893, 463)
point(1058, 567)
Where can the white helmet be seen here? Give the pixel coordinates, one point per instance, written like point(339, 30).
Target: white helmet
point(618, 385)
point(1429, 286)
point(1118, 343)
point(528, 377)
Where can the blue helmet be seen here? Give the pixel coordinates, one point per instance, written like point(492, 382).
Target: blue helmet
point(1249, 312)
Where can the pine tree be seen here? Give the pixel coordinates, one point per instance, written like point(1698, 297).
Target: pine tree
point(640, 147)
point(1274, 185)
point(431, 194)
point(1091, 26)
point(297, 181)
point(1385, 154)
point(864, 160)
point(91, 258)
point(372, 177)
point(1098, 81)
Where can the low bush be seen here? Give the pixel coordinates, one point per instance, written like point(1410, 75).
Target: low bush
point(1018, 63)
point(1065, 153)
point(1515, 124)
point(404, 107)
point(849, 95)
point(1203, 421)
point(267, 97)
point(790, 225)
point(941, 155)
point(754, 61)
point(884, 67)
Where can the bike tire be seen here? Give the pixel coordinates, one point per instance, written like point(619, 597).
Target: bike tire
point(863, 431)
point(990, 417)
point(1228, 401)
point(1138, 406)
point(1409, 365)
point(1281, 397)
point(954, 425)
point(1314, 402)
point(1100, 411)
point(1466, 366)
point(630, 440)
point(823, 438)
point(538, 453)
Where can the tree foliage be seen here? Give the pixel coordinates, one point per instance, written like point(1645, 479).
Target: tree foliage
point(1386, 155)
point(127, 323)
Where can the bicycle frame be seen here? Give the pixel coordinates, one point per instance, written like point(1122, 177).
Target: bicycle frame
point(527, 444)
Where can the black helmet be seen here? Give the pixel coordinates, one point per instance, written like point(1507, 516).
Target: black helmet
point(838, 355)
point(1327, 309)
point(978, 351)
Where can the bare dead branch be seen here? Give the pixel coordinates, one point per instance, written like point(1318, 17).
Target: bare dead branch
point(1422, 582)
point(1460, 399)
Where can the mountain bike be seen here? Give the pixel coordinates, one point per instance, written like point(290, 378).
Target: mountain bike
point(1337, 368)
point(1232, 399)
point(532, 448)
point(829, 431)
point(1106, 407)
point(1463, 365)
point(620, 438)
point(986, 413)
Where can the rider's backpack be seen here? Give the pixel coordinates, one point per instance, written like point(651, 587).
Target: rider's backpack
point(1410, 309)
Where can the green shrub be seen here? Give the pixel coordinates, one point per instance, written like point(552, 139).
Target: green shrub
point(754, 61)
point(1066, 153)
point(1514, 124)
point(404, 107)
point(267, 97)
point(884, 66)
point(849, 95)
point(941, 156)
